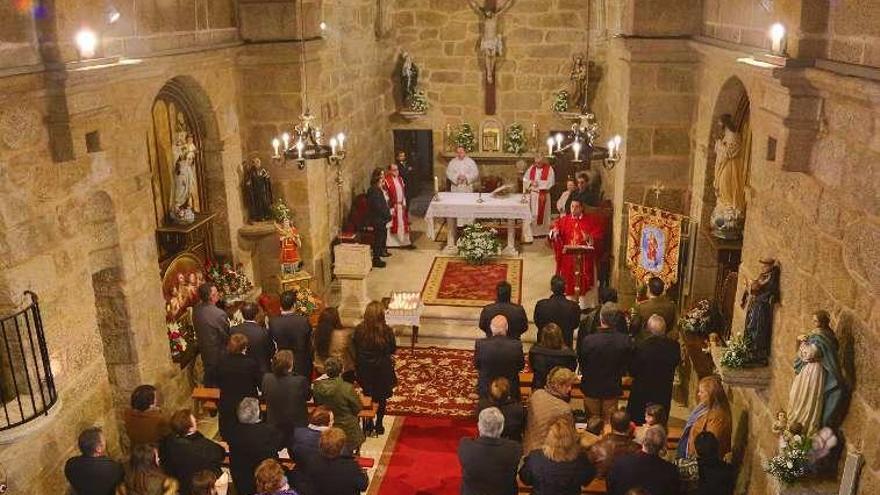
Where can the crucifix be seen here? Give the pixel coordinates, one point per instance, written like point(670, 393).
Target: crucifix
point(491, 45)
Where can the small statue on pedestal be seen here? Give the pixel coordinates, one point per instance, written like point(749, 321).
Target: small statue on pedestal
point(291, 241)
point(729, 182)
point(257, 187)
point(578, 79)
point(759, 298)
point(184, 188)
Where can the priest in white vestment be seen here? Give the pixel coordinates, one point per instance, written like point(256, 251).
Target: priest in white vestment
point(538, 180)
point(464, 175)
point(398, 229)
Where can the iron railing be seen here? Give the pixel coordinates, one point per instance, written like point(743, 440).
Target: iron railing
point(27, 387)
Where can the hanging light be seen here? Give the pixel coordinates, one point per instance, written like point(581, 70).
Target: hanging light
point(86, 43)
point(581, 139)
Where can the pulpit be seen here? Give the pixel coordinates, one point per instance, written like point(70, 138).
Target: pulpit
point(578, 251)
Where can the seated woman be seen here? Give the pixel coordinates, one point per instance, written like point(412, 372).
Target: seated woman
point(332, 469)
point(333, 340)
point(559, 467)
point(143, 476)
point(340, 397)
point(549, 353)
point(512, 409)
point(271, 479)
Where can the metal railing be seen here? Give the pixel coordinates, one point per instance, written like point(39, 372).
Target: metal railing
point(27, 387)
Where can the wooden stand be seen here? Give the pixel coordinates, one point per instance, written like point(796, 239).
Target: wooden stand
point(578, 251)
point(296, 281)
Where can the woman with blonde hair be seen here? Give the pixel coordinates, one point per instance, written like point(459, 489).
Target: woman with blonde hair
point(271, 479)
point(374, 345)
point(712, 414)
point(547, 405)
point(560, 466)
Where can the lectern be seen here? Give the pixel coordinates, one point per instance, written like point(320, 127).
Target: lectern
point(578, 251)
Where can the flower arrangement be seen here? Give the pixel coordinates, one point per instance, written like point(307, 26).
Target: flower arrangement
point(306, 301)
point(465, 138)
point(515, 139)
point(792, 463)
point(177, 338)
point(698, 319)
point(737, 353)
point(560, 102)
point(478, 243)
point(418, 102)
point(281, 212)
point(230, 280)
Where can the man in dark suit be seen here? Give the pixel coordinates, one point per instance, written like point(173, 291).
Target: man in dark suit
point(261, 348)
point(93, 473)
point(498, 355)
point(250, 443)
point(212, 330)
point(644, 469)
point(185, 451)
point(558, 309)
point(515, 314)
point(378, 214)
point(603, 358)
point(653, 370)
point(293, 332)
point(489, 462)
point(658, 303)
point(407, 173)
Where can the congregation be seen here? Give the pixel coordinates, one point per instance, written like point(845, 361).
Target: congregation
point(290, 399)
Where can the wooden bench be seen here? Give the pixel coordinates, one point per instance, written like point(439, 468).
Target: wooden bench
point(596, 487)
point(288, 464)
point(527, 378)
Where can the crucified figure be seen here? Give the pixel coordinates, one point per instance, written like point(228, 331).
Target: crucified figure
point(490, 43)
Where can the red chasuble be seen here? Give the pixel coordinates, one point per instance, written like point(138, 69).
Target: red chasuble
point(574, 231)
point(397, 201)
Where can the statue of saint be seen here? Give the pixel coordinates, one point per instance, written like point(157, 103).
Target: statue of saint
point(759, 299)
point(490, 44)
point(183, 182)
point(409, 77)
point(818, 389)
point(578, 79)
point(291, 241)
point(729, 180)
point(258, 191)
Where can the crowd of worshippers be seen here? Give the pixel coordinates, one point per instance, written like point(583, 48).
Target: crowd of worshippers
point(283, 365)
point(565, 448)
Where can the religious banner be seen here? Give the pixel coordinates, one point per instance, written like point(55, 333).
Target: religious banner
point(653, 243)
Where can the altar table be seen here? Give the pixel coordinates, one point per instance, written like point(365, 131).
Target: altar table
point(455, 205)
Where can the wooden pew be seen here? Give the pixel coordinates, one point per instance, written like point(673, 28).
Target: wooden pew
point(288, 464)
point(209, 397)
point(596, 487)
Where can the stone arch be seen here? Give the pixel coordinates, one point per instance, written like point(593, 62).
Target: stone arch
point(187, 89)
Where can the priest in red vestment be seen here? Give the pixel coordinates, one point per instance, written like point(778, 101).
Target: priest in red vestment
point(398, 229)
point(578, 228)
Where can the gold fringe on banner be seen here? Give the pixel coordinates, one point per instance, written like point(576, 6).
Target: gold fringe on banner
point(653, 243)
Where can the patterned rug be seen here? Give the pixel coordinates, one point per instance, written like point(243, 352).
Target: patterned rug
point(433, 381)
point(455, 282)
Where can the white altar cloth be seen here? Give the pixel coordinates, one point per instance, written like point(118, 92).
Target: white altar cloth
point(454, 205)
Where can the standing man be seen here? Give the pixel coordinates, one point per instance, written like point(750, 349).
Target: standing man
point(260, 346)
point(603, 358)
point(498, 355)
point(515, 314)
point(211, 325)
point(378, 215)
point(538, 180)
point(398, 230)
point(578, 229)
point(559, 310)
point(407, 173)
point(489, 462)
point(653, 370)
point(292, 332)
point(658, 303)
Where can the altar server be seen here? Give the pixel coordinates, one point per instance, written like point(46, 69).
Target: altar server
point(538, 180)
point(398, 229)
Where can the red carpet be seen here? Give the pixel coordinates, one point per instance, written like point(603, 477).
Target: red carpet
point(425, 458)
point(455, 282)
point(432, 381)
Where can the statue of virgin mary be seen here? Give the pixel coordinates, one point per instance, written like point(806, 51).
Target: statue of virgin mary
point(183, 183)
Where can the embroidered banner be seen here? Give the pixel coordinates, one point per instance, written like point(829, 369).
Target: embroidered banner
point(653, 243)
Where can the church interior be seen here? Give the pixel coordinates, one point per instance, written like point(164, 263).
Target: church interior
point(725, 151)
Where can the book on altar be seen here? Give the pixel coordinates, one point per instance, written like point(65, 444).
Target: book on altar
point(501, 190)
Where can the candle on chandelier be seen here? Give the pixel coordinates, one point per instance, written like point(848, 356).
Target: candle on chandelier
point(550, 142)
point(299, 149)
point(576, 146)
point(558, 141)
point(275, 145)
point(341, 138)
point(616, 140)
point(286, 138)
point(436, 185)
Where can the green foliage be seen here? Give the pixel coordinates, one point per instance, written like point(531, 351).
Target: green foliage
point(737, 353)
point(515, 139)
point(465, 138)
point(560, 102)
point(478, 243)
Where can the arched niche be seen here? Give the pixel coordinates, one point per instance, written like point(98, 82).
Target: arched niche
point(183, 118)
point(717, 260)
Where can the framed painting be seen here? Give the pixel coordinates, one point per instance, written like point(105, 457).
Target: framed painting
point(653, 243)
point(180, 284)
point(491, 132)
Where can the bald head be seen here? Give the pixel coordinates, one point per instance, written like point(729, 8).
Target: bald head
point(656, 325)
point(498, 325)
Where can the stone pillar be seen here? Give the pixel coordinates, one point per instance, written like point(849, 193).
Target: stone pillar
point(353, 264)
point(262, 241)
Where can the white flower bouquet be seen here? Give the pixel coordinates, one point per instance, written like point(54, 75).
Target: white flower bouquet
point(792, 463)
point(737, 353)
point(478, 243)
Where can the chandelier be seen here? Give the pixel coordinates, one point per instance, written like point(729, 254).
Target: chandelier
point(581, 139)
point(306, 140)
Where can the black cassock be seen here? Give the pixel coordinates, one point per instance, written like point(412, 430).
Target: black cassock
point(258, 194)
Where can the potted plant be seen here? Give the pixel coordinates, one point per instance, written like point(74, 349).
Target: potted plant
point(478, 243)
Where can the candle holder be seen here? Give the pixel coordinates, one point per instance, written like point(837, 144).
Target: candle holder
point(480, 197)
point(525, 196)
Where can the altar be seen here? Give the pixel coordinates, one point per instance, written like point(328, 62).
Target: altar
point(452, 206)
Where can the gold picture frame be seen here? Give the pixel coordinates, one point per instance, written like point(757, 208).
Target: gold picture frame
point(491, 140)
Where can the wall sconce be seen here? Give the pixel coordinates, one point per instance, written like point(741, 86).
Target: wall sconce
point(86, 43)
point(777, 39)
